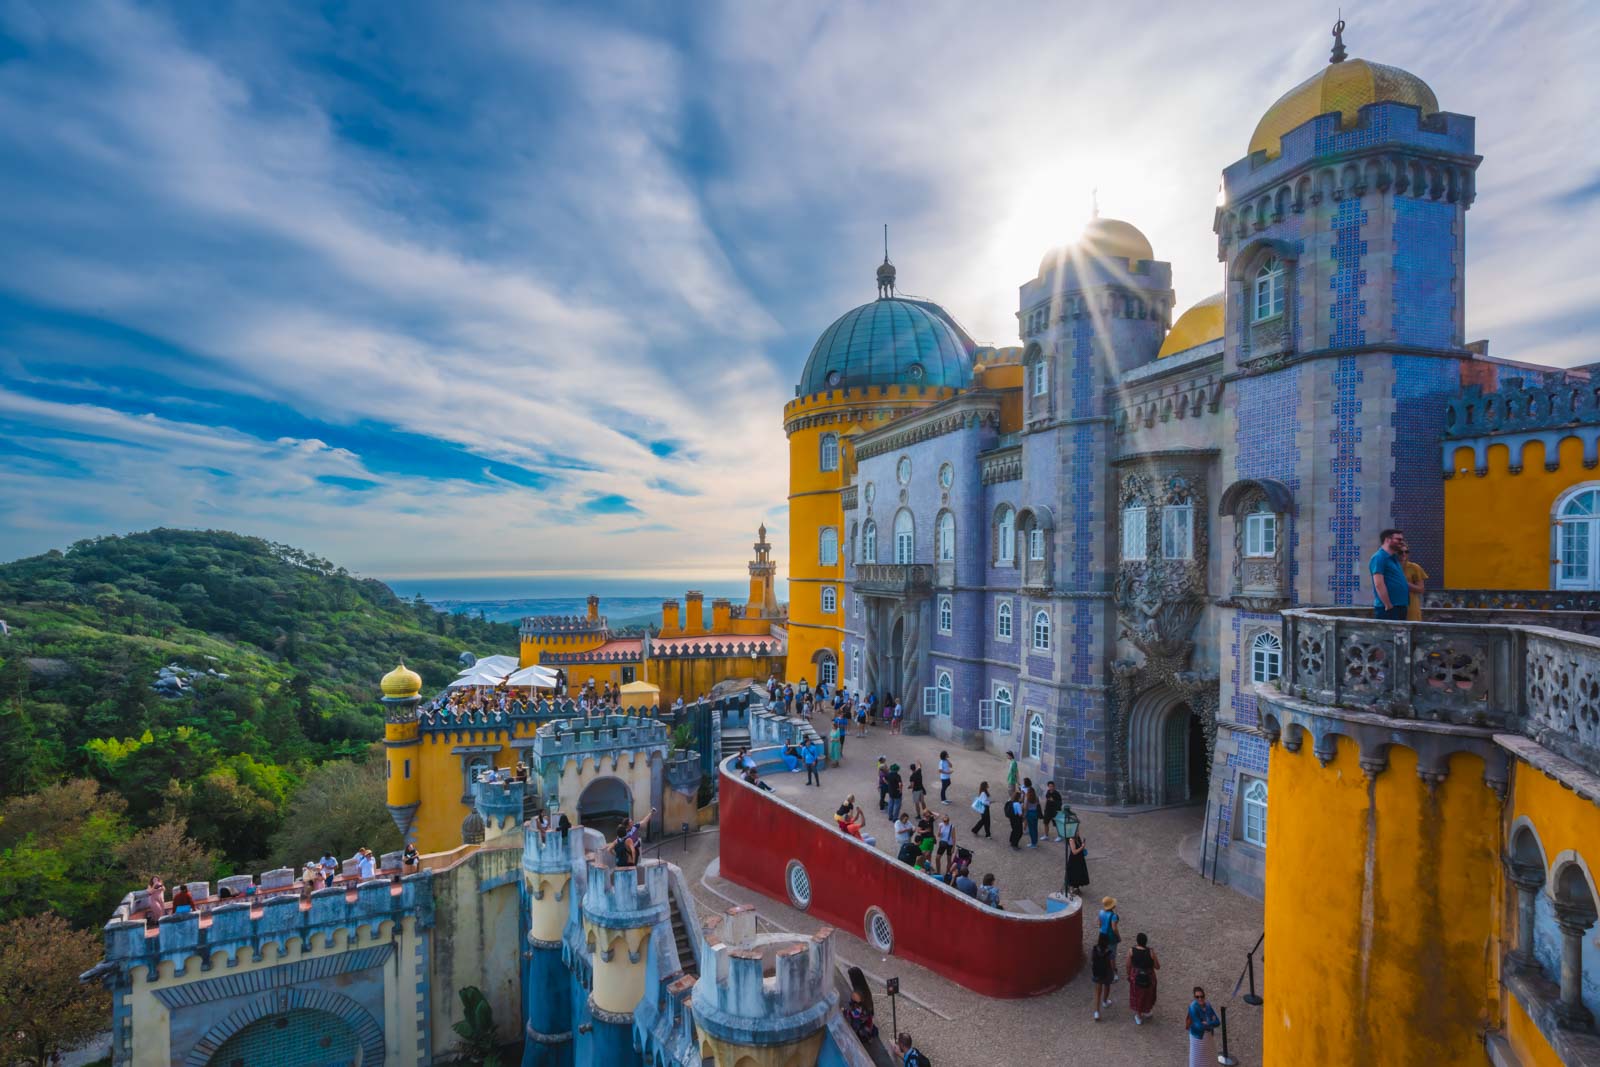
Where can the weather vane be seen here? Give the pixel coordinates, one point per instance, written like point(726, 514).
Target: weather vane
point(1338, 40)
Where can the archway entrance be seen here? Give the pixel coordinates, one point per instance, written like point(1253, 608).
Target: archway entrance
point(300, 1036)
point(603, 804)
point(1166, 750)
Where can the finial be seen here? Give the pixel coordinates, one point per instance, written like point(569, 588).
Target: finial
point(885, 269)
point(1339, 53)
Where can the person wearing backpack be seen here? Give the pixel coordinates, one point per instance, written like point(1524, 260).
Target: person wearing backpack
point(1110, 926)
point(1101, 971)
point(1142, 968)
point(1014, 817)
point(910, 1055)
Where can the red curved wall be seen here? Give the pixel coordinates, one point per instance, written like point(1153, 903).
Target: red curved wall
point(996, 953)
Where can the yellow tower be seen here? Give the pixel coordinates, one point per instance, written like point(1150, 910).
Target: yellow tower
point(875, 363)
point(402, 689)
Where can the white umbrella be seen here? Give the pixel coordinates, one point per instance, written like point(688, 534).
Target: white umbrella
point(535, 676)
point(498, 666)
point(478, 676)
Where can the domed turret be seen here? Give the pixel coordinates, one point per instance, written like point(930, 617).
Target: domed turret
point(891, 341)
point(1103, 239)
point(1200, 324)
point(1344, 87)
point(402, 682)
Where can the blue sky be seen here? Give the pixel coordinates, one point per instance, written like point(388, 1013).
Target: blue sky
point(475, 289)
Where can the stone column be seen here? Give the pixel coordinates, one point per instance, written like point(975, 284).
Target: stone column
point(546, 981)
point(1574, 922)
point(1527, 878)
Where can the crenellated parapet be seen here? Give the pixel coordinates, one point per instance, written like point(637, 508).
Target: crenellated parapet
point(624, 898)
point(766, 992)
point(592, 737)
point(548, 625)
point(500, 805)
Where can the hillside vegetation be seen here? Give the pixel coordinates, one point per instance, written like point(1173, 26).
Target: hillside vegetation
point(103, 780)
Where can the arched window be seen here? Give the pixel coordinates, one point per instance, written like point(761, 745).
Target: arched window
point(1269, 290)
point(1578, 540)
point(855, 666)
point(869, 542)
point(1002, 620)
point(947, 537)
point(946, 615)
point(830, 452)
point(1035, 736)
point(1266, 657)
point(1005, 535)
point(1041, 631)
point(1255, 812)
point(828, 546)
point(827, 670)
point(1134, 531)
point(855, 542)
point(946, 694)
point(1036, 543)
point(905, 536)
point(830, 600)
point(1002, 709)
point(1261, 532)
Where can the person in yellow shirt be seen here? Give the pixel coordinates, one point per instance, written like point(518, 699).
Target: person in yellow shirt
point(1416, 578)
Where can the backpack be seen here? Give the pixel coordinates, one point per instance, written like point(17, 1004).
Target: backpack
point(916, 1058)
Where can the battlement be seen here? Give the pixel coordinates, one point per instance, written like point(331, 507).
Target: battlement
point(600, 733)
point(681, 649)
point(552, 853)
point(541, 625)
point(624, 898)
point(556, 659)
point(764, 989)
point(1516, 407)
point(248, 922)
point(683, 771)
point(500, 804)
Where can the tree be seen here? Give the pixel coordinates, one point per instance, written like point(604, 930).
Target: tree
point(44, 1009)
point(479, 1044)
point(339, 806)
point(168, 851)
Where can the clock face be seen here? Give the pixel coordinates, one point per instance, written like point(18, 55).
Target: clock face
point(947, 475)
point(903, 470)
point(872, 492)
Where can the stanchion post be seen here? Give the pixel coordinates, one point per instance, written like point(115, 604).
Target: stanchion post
point(1252, 998)
point(1226, 1059)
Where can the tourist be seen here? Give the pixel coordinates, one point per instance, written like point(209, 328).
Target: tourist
point(156, 900)
point(946, 768)
point(903, 829)
point(791, 757)
point(1011, 771)
point(1102, 971)
point(754, 779)
point(945, 836)
point(896, 791)
point(1014, 817)
point(1391, 594)
point(1052, 810)
point(836, 743)
point(1111, 926)
point(1200, 1021)
point(410, 859)
point(858, 1013)
point(810, 757)
point(182, 902)
point(861, 723)
point(330, 868)
point(1030, 812)
point(964, 883)
point(981, 805)
point(909, 1056)
point(919, 792)
point(622, 851)
point(989, 893)
point(899, 716)
point(366, 863)
point(1142, 968)
point(883, 783)
point(1416, 582)
point(563, 826)
point(1077, 865)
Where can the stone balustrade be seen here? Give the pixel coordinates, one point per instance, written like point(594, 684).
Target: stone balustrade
point(534, 625)
point(1529, 672)
point(894, 579)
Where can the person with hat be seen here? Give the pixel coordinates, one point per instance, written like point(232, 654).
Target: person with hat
point(896, 791)
point(1111, 926)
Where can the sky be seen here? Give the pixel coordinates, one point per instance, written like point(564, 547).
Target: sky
point(472, 290)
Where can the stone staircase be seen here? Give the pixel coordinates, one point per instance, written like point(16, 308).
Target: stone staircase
point(680, 936)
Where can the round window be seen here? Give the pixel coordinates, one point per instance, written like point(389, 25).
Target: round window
point(902, 470)
point(880, 935)
point(799, 885)
point(915, 370)
point(834, 377)
point(947, 475)
point(871, 492)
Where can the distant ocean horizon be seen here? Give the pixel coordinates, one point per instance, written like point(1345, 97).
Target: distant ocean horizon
point(511, 599)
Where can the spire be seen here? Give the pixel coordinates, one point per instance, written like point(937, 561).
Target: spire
point(1339, 53)
point(885, 269)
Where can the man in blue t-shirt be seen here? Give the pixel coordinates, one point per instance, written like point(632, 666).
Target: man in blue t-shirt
point(1390, 590)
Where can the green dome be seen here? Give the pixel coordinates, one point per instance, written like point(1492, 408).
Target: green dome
point(891, 341)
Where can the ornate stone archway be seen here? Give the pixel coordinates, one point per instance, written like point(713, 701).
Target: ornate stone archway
point(369, 1034)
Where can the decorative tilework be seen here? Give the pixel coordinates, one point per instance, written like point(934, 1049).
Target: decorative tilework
point(1422, 387)
point(1344, 581)
point(1266, 431)
point(1424, 272)
point(1244, 697)
point(1347, 279)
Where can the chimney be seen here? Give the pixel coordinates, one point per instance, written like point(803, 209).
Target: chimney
point(594, 608)
point(694, 610)
point(670, 626)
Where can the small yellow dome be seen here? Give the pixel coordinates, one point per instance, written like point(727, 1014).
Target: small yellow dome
point(1200, 324)
point(401, 682)
point(1107, 239)
point(1344, 87)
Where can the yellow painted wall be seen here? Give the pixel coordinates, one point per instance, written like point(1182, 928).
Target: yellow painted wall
point(690, 677)
point(1358, 874)
point(814, 503)
point(438, 819)
point(1497, 526)
point(532, 646)
point(618, 982)
point(1529, 1045)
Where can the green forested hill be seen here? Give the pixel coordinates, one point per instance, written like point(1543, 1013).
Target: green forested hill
point(281, 654)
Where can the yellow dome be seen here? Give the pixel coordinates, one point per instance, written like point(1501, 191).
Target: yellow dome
point(1201, 323)
point(1105, 238)
point(1344, 87)
point(401, 682)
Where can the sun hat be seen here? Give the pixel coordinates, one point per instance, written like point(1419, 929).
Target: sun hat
point(1108, 902)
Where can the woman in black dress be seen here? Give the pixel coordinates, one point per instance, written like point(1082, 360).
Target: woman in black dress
point(1077, 864)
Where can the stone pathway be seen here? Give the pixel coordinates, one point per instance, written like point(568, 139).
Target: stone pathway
point(1200, 932)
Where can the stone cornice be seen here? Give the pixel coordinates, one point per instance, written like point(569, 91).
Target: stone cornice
point(965, 411)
